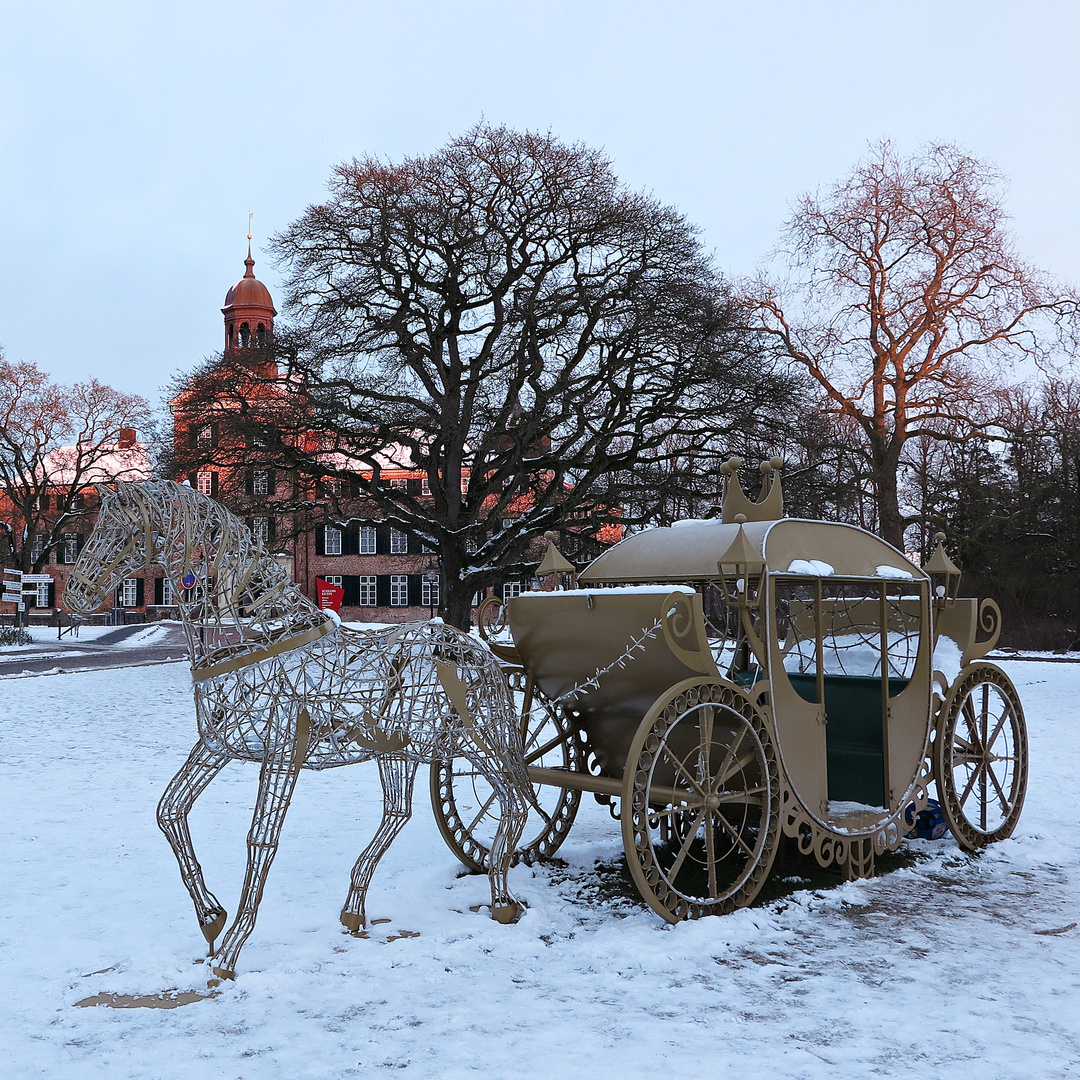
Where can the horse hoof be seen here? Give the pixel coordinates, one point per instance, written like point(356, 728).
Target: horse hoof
point(224, 973)
point(507, 913)
point(353, 922)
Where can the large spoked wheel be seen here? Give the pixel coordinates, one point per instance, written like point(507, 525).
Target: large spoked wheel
point(701, 801)
point(981, 756)
point(467, 809)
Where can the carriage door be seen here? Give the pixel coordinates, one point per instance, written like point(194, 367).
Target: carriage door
point(852, 644)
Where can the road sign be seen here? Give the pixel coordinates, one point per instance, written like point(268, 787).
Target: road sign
point(13, 573)
point(12, 598)
point(36, 579)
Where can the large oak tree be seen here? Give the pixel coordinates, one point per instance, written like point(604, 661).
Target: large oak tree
point(505, 318)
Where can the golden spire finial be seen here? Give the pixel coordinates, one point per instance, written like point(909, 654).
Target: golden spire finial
point(249, 262)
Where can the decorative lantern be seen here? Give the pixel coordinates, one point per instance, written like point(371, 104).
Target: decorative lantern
point(944, 574)
point(554, 564)
point(741, 567)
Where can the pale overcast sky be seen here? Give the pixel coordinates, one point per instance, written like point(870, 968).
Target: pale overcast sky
point(136, 136)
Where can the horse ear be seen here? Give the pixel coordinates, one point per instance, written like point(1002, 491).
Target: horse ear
point(123, 491)
point(102, 490)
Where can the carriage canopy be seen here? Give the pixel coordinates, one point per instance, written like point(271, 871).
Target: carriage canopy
point(693, 550)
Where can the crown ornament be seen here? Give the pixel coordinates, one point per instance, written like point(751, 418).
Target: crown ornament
point(769, 506)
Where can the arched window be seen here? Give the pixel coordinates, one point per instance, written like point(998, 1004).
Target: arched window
point(245, 335)
point(260, 336)
point(232, 336)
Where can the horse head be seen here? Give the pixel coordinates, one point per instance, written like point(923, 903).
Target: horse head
point(122, 542)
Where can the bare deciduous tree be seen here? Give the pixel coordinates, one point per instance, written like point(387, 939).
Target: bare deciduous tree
point(54, 442)
point(910, 299)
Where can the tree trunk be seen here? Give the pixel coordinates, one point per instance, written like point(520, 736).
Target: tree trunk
point(885, 462)
point(456, 595)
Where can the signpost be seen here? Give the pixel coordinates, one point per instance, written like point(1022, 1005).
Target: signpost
point(15, 590)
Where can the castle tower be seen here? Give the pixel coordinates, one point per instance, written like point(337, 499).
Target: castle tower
point(249, 311)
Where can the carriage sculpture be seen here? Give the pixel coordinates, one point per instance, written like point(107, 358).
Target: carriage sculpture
point(737, 686)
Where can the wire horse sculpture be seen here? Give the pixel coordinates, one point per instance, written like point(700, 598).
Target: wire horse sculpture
point(280, 682)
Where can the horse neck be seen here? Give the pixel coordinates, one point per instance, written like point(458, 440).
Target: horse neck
point(251, 599)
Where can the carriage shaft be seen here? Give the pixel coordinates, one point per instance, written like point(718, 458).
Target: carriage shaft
point(607, 785)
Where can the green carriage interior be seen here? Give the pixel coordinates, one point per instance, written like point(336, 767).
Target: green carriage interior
point(838, 622)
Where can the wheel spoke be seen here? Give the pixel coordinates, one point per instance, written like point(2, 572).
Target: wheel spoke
point(535, 755)
point(483, 810)
point(731, 753)
point(971, 720)
point(730, 830)
point(997, 728)
point(1005, 807)
point(682, 769)
point(676, 866)
point(710, 853)
point(741, 797)
point(705, 730)
point(738, 766)
point(970, 784)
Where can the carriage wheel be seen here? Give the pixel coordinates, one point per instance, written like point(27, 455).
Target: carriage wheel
point(981, 757)
point(467, 809)
point(701, 801)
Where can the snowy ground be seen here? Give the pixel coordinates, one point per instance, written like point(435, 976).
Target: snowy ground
point(940, 969)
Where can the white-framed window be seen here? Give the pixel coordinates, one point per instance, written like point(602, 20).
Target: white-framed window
point(260, 483)
point(367, 539)
point(260, 529)
point(425, 486)
point(71, 547)
point(399, 590)
point(204, 481)
point(430, 594)
point(399, 483)
point(367, 590)
point(333, 485)
point(168, 597)
point(41, 589)
point(399, 542)
point(511, 589)
point(37, 548)
point(205, 436)
point(478, 598)
point(471, 545)
point(332, 579)
point(129, 592)
point(332, 540)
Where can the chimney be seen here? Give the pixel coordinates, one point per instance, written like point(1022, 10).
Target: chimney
point(127, 438)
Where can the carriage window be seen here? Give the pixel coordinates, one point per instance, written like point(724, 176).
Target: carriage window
point(849, 628)
point(399, 542)
point(129, 592)
point(332, 540)
point(367, 590)
point(367, 539)
point(399, 590)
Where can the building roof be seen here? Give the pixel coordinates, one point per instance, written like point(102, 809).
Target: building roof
point(249, 291)
point(115, 463)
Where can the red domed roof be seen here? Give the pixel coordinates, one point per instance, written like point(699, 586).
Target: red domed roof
point(249, 291)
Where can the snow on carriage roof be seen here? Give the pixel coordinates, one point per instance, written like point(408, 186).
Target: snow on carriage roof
point(690, 551)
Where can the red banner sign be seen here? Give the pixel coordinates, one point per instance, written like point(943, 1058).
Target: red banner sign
point(330, 596)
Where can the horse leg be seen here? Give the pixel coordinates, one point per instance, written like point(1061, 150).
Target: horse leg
point(277, 779)
point(397, 775)
point(513, 814)
point(185, 787)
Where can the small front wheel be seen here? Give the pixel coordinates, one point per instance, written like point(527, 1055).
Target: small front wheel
point(701, 801)
point(981, 756)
